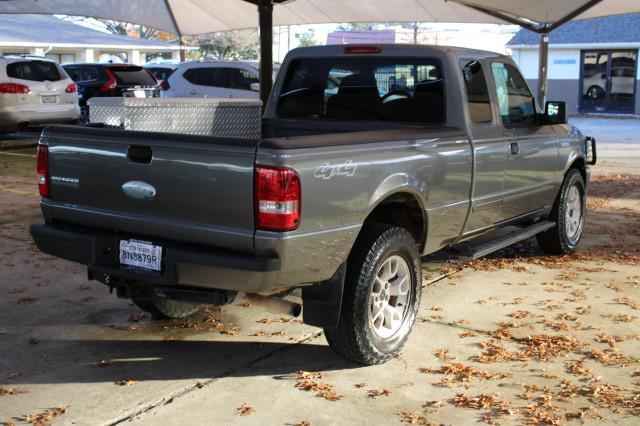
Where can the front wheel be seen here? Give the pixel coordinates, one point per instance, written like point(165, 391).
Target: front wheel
point(568, 213)
point(381, 296)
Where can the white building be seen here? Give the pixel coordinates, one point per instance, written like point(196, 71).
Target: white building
point(592, 64)
point(66, 42)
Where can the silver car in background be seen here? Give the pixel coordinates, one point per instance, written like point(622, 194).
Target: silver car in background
point(35, 91)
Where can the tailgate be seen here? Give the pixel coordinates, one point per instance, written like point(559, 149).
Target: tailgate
point(193, 189)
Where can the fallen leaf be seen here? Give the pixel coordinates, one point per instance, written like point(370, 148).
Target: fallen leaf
point(244, 410)
point(11, 391)
point(374, 393)
point(443, 354)
point(44, 418)
point(126, 382)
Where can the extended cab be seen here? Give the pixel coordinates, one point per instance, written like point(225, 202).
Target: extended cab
point(371, 157)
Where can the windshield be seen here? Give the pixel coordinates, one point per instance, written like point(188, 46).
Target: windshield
point(133, 75)
point(364, 88)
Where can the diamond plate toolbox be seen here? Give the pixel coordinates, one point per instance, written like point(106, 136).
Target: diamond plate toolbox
point(239, 118)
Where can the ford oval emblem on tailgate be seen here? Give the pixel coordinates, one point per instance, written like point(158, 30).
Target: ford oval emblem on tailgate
point(139, 190)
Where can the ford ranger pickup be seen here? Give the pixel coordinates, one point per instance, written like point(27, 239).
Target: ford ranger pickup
point(371, 157)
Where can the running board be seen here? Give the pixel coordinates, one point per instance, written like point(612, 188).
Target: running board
point(476, 252)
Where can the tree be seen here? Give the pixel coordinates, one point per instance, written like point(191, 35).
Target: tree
point(229, 45)
point(361, 26)
point(307, 39)
point(415, 26)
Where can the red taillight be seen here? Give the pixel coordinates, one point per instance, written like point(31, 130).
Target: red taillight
point(365, 48)
point(164, 85)
point(14, 88)
point(42, 169)
point(72, 88)
point(111, 83)
point(277, 199)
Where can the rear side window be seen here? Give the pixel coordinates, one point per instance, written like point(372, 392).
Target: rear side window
point(229, 78)
point(517, 106)
point(90, 73)
point(34, 71)
point(133, 75)
point(477, 91)
point(409, 90)
point(82, 73)
point(75, 73)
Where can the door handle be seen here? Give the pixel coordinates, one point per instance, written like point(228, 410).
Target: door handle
point(193, 92)
point(515, 148)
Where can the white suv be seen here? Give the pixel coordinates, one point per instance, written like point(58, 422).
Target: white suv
point(213, 79)
point(35, 91)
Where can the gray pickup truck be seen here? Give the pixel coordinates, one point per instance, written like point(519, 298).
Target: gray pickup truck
point(371, 157)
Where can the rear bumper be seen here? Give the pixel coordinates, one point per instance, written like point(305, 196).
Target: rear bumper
point(183, 264)
point(10, 117)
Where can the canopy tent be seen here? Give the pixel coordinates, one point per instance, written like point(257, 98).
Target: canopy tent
point(191, 17)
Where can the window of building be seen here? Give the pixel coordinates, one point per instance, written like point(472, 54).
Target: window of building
point(61, 58)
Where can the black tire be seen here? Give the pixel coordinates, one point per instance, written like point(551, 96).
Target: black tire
point(355, 337)
point(161, 307)
point(595, 92)
point(557, 240)
point(84, 116)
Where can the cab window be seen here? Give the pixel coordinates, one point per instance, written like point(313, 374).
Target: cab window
point(477, 91)
point(517, 106)
point(391, 89)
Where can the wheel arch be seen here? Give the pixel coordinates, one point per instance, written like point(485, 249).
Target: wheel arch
point(402, 206)
point(579, 163)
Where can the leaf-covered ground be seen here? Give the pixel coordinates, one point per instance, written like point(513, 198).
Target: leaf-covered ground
point(517, 338)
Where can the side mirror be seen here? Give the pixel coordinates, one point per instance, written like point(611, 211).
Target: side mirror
point(255, 87)
point(555, 112)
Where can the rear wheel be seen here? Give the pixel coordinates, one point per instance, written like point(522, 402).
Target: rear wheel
point(84, 115)
point(568, 213)
point(161, 307)
point(381, 296)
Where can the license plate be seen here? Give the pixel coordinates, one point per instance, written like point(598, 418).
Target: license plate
point(141, 254)
point(49, 99)
point(139, 94)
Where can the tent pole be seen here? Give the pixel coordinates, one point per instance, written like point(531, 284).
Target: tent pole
point(183, 50)
point(542, 70)
point(265, 11)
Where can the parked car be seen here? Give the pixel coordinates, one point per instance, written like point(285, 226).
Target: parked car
point(340, 197)
point(111, 80)
point(35, 91)
point(623, 82)
point(213, 79)
point(161, 70)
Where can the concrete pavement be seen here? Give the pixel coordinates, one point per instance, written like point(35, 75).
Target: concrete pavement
point(514, 338)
